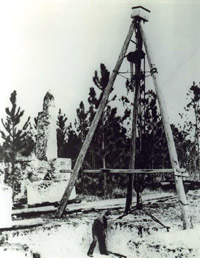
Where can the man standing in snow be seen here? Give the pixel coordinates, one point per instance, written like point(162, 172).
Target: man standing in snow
point(99, 227)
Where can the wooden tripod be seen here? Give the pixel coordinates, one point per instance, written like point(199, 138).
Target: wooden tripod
point(136, 25)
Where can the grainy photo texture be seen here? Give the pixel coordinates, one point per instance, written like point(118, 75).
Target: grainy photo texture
point(100, 129)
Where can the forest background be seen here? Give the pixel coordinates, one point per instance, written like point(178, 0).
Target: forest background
point(111, 144)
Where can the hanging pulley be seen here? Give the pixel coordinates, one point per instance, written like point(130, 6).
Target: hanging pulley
point(136, 56)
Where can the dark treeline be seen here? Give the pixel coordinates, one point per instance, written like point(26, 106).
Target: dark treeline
point(111, 144)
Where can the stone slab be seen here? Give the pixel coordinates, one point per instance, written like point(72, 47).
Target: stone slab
point(47, 192)
point(63, 164)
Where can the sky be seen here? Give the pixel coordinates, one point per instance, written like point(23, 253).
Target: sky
point(57, 45)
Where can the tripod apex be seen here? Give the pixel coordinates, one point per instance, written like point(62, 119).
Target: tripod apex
point(141, 13)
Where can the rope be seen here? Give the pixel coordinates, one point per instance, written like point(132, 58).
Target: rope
point(153, 70)
point(120, 74)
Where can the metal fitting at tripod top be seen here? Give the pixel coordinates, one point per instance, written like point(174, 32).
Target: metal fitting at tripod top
point(141, 13)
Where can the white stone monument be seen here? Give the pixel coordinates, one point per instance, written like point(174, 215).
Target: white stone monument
point(49, 190)
point(46, 143)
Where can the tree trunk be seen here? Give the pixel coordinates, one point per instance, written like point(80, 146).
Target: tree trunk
point(13, 179)
point(104, 157)
point(138, 199)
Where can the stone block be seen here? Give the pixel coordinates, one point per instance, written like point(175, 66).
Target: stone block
point(47, 191)
point(62, 168)
point(63, 164)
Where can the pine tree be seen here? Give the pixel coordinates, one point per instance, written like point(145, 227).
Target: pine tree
point(151, 146)
point(16, 141)
point(68, 142)
point(153, 152)
point(108, 148)
point(81, 123)
point(100, 144)
point(61, 134)
point(184, 147)
point(191, 128)
point(109, 145)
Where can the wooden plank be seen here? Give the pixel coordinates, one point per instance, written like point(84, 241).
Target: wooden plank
point(22, 224)
point(87, 206)
point(168, 132)
point(136, 171)
point(34, 210)
point(185, 174)
point(88, 139)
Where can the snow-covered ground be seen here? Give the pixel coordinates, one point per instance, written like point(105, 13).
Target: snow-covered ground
point(70, 237)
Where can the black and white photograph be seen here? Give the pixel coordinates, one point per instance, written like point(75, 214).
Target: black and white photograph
point(99, 129)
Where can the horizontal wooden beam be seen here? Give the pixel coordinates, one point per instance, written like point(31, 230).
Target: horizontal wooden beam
point(179, 172)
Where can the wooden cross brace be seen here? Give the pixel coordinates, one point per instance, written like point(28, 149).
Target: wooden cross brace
point(178, 172)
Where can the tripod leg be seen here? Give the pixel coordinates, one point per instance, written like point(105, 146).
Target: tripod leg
point(168, 133)
point(133, 144)
point(136, 105)
point(88, 139)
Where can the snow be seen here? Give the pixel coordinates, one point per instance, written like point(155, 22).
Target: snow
point(68, 240)
point(13, 254)
point(65, 241)
point(15, 251)
point(71, 236)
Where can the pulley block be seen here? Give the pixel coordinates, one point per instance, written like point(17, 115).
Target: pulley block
point(136, 56)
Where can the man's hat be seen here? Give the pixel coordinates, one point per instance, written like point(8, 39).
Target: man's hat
point(107, 213)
